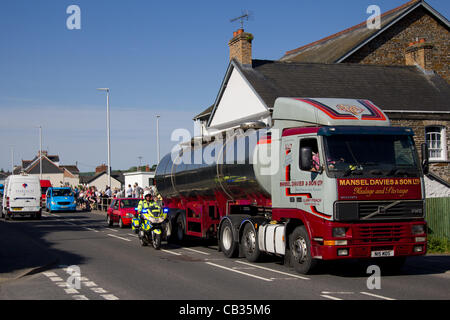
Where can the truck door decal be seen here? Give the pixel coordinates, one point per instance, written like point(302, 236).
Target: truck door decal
point(307, 195)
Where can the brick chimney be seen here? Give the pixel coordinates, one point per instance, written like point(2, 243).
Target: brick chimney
point(420, 53)
point(101, 168)
point(241, 47)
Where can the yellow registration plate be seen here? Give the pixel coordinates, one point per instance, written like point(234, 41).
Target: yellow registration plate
point(16, 209)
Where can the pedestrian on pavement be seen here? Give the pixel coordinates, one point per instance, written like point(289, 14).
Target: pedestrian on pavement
point(129, 192)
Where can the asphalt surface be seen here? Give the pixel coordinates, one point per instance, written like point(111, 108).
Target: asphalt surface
point(42, 255)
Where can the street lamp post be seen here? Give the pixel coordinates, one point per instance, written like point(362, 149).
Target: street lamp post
point(157, 137)
point(12, 160)
point(108, 133)
point(40, 152)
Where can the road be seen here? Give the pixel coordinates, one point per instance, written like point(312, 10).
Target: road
point(113, 266)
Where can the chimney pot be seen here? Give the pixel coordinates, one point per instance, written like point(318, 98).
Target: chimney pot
point(241, 47)
point(419, 53)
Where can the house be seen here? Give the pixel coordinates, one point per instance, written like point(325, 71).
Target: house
point(412, 88)
point(100, 181)
point(59, 175)
point(411, 34)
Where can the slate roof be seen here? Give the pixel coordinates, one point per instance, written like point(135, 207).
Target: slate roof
point(204, 115)
point(47, 167)
point(336, 47)
point(114, 175)
point(71, 168)
point(389, 87)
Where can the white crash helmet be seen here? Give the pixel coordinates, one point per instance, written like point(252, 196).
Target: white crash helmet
point(147, 193)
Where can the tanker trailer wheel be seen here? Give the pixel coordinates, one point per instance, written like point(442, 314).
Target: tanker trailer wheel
point(250, 243)
point(227, 243)
point(179, 228)
point(300, 250)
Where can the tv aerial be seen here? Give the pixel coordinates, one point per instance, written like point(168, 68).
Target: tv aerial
point(245, 16)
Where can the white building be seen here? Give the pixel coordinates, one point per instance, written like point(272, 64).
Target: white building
point(142, 178)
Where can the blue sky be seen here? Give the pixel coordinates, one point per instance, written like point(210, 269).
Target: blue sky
point(157, 57)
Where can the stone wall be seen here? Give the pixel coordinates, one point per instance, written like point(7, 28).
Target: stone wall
point(389, 47)
point(418, 122)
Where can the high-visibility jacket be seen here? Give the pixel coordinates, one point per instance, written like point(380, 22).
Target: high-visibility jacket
point(152, 208)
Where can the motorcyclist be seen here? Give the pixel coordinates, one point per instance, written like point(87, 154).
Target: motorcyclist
point(148, 203)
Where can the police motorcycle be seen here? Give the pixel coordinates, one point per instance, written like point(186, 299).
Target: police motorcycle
point(150, 227)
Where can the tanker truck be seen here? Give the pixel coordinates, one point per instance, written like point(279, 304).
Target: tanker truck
point(328, 179)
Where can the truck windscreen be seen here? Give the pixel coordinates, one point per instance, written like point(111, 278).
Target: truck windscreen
point(371, 155)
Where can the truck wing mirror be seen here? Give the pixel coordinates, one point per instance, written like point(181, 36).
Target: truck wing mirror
point(425, 158)
point(306, 158)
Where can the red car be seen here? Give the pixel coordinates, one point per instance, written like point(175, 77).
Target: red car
point(121, 211)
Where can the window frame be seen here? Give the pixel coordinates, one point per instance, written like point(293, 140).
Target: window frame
point(442, 139)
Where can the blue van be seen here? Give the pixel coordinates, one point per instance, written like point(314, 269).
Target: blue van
point(60, 199)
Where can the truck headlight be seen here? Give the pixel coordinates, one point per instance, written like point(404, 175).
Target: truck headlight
point(418, 229)
point(339, 232)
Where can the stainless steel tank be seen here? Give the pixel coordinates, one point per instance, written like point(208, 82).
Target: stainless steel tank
point(227, 166)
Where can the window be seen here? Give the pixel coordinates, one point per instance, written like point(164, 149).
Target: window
point(311, 143)
point(436, 141)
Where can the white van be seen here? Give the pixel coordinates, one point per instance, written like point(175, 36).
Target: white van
point(22, 196)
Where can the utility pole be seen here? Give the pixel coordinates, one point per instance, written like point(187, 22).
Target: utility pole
point(108, 133)
point(40, 152)
point(157, 138)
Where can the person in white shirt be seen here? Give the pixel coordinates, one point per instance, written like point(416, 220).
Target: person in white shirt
point(129, 192)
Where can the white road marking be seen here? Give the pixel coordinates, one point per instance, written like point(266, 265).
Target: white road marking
point(330, 297)
point(198, 251)
point(90, 229)
point(89, 284)
point(340, 292)
point(49, 274)
point(111, 235)
point(133, 235)
point(112, 229)
point(56, 279)
point(80, 297)
point(376, 296)
point(99, 290)
point(272, 270)
point(70, 291)
point(62, 284)
point(171, 252)
point(237, 271)
point(109, 297)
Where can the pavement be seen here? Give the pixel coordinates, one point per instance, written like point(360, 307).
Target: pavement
point(20, 254)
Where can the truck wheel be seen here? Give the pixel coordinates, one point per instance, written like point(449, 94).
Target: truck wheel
point(227, 243)
point(300, 250)
point(180, 228)
point(250, 244)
